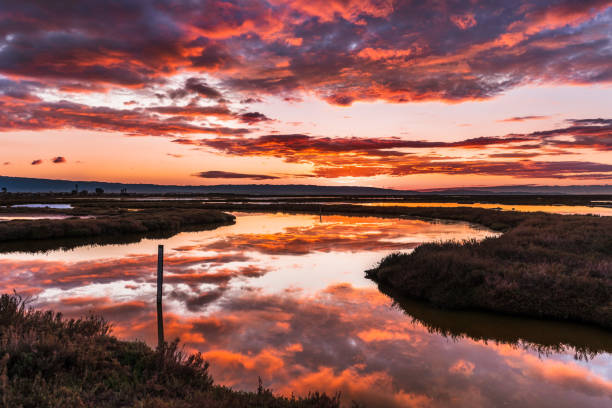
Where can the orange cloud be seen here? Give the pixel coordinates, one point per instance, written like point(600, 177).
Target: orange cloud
point(464, 21)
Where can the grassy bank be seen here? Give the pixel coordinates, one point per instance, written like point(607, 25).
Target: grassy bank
point(48, 361)
point(546, 266)
point(140, 222)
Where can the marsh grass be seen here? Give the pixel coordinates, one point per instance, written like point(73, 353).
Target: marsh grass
point(546, 265)
point(49, 361)
point(141, 222)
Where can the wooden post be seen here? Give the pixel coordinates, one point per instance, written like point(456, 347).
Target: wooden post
point(160, 284)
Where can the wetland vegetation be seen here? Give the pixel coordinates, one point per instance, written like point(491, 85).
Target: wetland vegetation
point(106, 224)
point(49, 361)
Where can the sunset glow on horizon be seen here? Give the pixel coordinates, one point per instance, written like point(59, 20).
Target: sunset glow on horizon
point(384, 93)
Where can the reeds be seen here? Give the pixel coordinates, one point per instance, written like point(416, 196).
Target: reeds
point(49, 361)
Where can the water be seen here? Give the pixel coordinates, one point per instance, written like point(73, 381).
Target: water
point(596, 209)
point(57, 206)
point(21, 216)
point(284, 297)
point(555, 209)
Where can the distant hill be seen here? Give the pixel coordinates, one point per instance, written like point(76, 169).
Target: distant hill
point(524, 189)
point(37, 185)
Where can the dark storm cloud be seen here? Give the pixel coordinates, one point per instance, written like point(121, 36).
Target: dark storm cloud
point(196, 86)
point(253, 117)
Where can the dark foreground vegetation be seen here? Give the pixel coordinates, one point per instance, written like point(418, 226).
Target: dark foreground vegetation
point(49, 361)
point(142, 222)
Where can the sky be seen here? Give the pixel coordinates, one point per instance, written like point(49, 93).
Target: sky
point(400, 94)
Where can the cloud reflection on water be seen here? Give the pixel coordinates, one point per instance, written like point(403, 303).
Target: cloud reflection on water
point(283, 297)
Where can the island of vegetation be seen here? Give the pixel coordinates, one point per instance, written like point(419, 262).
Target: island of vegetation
point(49, 361)
point(543, 265)
point(100, 221)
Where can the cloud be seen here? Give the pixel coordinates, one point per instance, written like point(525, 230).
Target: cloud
point(196, 86)
point(58, 159)
point(218, 111)
point(367, 157)
point(464, 21)
point(230, 175)
point(253, 117)
point(341, 50)
point(523, 118)
point(133, 122)
point(36, 162)
point(199, 65)
point(201, 88)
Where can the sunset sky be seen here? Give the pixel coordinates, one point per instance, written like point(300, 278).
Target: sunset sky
point(401, 94)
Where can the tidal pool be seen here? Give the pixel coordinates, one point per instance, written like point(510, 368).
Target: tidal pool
point(284, 297)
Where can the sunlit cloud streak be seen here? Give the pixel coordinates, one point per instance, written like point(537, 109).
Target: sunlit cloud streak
point(365, 157)
point(524, 118)
point(229, 175)
point(134, 122)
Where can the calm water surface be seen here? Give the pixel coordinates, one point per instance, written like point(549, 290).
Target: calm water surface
point(56, 206)
point(21, 216)
point(284, 297)
point(556, 209)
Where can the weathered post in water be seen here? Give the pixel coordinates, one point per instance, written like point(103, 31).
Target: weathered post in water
point(160, 284)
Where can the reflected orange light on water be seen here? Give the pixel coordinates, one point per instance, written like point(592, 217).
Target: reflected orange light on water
point(556, 209)
point(284, 297)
